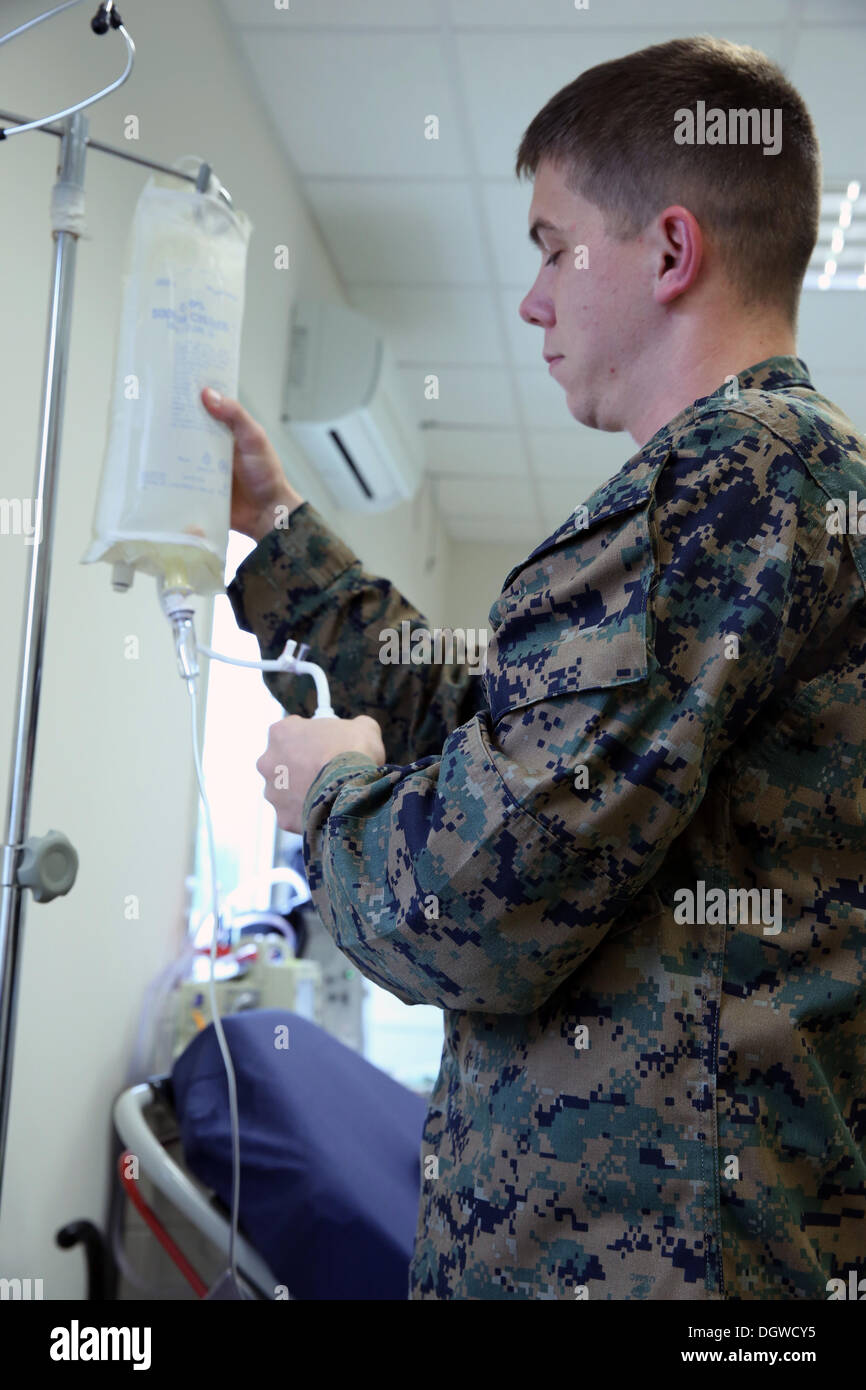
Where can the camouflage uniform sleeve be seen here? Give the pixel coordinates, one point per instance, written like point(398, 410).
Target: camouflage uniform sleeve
point(303, 582)
point(482, 879)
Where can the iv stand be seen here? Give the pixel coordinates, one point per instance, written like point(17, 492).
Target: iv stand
point(47, 864)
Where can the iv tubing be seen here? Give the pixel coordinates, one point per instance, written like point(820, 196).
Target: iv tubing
point(287, 663)
point(175, 595)
point(184, 634)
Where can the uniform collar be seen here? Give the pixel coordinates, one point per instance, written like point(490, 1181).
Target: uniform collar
point(632, 485)
point(773, 374)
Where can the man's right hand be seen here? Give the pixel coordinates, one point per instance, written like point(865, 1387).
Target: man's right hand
point(259, 485)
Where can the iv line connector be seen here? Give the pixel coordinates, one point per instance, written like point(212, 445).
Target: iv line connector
point(177, 606)
point(185, 645)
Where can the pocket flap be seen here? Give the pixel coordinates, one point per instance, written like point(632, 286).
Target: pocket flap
point(575, 616)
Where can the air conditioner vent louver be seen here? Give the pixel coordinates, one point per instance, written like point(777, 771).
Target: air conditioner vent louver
point(344, 406)
point(362, 483)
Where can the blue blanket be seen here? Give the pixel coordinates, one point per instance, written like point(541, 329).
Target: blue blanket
point(330, 1153)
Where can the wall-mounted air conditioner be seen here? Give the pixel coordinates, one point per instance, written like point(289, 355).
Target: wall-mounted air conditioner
point(343, 405)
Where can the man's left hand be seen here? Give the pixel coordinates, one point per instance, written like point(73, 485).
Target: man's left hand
point(298, 750)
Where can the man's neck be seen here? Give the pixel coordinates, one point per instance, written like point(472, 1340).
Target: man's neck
point(698, 371)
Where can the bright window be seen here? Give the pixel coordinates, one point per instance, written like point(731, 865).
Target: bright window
point(404, 1041)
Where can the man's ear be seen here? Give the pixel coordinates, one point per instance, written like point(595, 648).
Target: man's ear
point(679, 244)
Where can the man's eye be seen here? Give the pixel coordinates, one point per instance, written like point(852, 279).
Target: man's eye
point(554, 258)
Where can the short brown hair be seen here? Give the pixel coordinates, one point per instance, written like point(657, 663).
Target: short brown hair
point(612, 133)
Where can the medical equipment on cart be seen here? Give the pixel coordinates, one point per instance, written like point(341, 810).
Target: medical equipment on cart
point(261, 972)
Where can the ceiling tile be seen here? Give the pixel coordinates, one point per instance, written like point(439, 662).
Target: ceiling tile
point(537, 71)
point(825, 11)
point(507, 204)
point(333, 14)
point(525, 340)
point(400, 233)
point(335, 120)
point(832, 330)
point(580, 455)
point(513, 502)
point(488, 532)
point(542, 398)
point(473, 453)
point(466, 396)
point(630, 14)
point(847, 389)
point(403, 234)
point(828, 71)
point(441, 326)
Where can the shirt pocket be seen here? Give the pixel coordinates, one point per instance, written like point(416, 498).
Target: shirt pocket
point(574, 616)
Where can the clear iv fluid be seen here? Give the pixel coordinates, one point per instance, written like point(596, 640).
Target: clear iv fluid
point(165, 493)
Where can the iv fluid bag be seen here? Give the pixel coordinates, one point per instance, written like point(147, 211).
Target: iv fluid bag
point(165, 494)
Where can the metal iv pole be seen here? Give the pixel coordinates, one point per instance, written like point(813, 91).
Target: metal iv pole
point(21, 856)
point(48, 864)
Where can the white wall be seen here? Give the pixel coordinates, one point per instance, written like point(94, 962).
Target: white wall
point(475, 578)
point(113, 765)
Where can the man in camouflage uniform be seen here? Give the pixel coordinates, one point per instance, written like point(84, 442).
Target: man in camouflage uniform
point(627, 859)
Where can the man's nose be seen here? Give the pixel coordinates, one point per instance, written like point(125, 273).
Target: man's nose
point(537, 308)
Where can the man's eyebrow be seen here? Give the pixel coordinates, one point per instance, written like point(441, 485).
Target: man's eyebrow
point(540, 224)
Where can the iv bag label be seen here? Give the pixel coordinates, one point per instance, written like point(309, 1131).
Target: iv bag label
point(200, 342)
point(166, 480)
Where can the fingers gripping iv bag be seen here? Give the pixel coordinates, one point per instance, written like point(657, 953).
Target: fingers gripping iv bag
point(165, 493)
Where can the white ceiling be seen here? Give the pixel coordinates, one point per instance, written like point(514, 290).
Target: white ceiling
point(429, 237)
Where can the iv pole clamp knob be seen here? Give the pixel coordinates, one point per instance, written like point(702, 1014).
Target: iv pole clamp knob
point(48, 866)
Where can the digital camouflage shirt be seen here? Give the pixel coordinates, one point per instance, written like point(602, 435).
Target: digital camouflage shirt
point(627, 861)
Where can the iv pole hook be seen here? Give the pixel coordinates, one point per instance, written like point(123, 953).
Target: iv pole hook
point(106, 17)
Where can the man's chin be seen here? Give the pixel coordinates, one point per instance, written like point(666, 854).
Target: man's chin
point(587, 412)
point(583, 410)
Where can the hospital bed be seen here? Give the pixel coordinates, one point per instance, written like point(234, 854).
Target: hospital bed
point(330, 1159)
